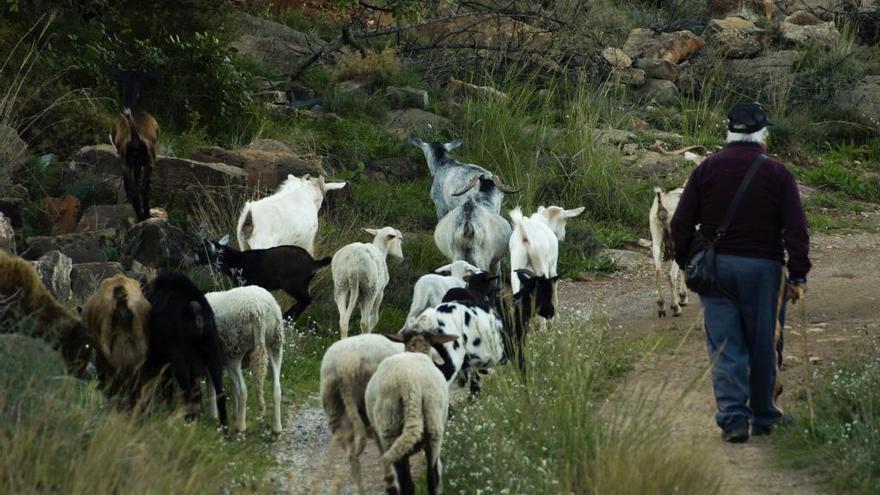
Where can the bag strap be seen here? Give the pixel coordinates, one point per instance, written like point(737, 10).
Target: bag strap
point(731, 210)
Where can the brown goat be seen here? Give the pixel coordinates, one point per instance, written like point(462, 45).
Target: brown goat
point(135, 135)
point(22, 295)
point(117, 316)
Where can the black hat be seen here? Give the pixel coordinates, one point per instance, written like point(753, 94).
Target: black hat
point(746, 118)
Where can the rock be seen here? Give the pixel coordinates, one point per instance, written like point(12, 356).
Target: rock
point(11, 209)
point(158, 244)
point(264, 169)
point(630, 261)
point(864, 98)
point(406, 97)
point(276, 46)
point(178, 181)
point(85, 277)
point(824, 9)
point(736, 37)
point(688, 85)
point(7, 234)
point(13, 149)
point(350, 86)
point(770, 70)
point(396, 169)
point(83, 247)
point(644, 243)
point(675, 47)
point(630, 76)
point(269, 145)
point(661, 91)
point(99, 159)
point(414, 121)
point(61, 213)
point(271, 97)
point(54, 267)
point(815, 360)
point(119, 217)
point(747, 9)
point(616, 57)
point(653, 165)
point(462, 88)
point(658, 68)
point(614, 136)
point(803, 28)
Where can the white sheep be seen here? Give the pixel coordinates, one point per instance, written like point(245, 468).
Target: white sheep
point(360, 275)
point(407, 403)
point(430, 289)
point(534, 243)
point(249, 324)
point(346, 368)
point(288, 217)
point(663, 250)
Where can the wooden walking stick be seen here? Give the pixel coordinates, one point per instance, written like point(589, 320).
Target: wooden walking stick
point(808, 379)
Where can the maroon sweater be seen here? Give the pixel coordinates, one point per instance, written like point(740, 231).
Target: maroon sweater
point(769, 218)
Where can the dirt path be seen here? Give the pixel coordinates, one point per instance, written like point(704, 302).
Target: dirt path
point(841, 305)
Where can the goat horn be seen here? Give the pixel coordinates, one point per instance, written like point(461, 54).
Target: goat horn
point(502, 186)
point(695, 148)
point(470, 185)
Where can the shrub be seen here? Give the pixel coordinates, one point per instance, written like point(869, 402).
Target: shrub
point(373, 69)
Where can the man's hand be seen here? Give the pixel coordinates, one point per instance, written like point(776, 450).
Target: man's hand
point(795, 290)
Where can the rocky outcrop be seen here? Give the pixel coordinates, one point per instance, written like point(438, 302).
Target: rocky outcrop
point(864, 98)
point(54, 270)
point(276, 46)
point(768, 71)
point(158, 244)
point(674, 47)
point(658, 68)
point(264, 169)
point(79, 247)
point(736, 37)
point(180, 182)
point(85, 278)
point(660, 91)
point(747, 9)
point(119, 217)
point(406, 97)
point(7, 234)
point(414, 121)
point(804, 28)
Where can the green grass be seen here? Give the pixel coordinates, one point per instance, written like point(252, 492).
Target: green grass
point(842, 442)
point(552, 437)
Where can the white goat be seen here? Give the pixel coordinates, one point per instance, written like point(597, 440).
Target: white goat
point(430, 289)
point(360, 275)
point(249, 323)
point(473, 231)
point(663, 250)
point(534, 243)
point(288, 217)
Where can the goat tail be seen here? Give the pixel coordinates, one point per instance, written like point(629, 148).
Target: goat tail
point(662, 212)
point(413, 426)
point(516, 216)
point(122, 315)
point(321, 263)
point(246, 229)
point(353, 295)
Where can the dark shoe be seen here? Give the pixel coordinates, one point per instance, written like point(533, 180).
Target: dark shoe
point(736, 434)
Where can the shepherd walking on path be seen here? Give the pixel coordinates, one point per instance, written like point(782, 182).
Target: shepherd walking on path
point(744, 312)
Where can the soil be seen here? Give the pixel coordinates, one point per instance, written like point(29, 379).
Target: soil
point(840, 313)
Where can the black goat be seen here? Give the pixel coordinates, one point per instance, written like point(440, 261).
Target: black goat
point(289, 268)
point(183, 334)
point(480, 288)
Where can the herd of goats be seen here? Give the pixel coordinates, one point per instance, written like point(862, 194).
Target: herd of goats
point(163, 330)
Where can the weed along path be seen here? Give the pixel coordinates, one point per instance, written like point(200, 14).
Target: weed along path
point(841, 303)
point(841, 308)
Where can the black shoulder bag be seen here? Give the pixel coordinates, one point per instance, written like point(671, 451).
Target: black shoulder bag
point(699, 274)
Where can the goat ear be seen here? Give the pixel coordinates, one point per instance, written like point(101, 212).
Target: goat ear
point(371, 231)
point(574, 212)
point(445, 268)
point(224, 241)
point(541, 209)
point(395, 338)
point(413, 139)
point(453, 144)
point(441, 338)
point(524, 274)
point(332, 186)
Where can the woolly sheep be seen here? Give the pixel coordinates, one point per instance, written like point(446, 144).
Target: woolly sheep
point(249, 324)
point(288, 217)
point(118, 317)
point(360, 275)
point(407, 403)
point(430, 289)
point(22, 294)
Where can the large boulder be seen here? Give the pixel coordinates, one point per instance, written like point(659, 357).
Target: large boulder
point(658, 68)
point(61, 213)
point(13, 149)
point(99, 159)
point(864, 98)
point(736, 37)
point(278, 47)
point(54, 270)
point(158, 244)
point(178, 181)
point(7, 235)
point(804, 28)
point(85, 278)
point(264, 144)
point(675, 47)
point(120, 217)
point(414, 121)
point(79, 247)
point(660, 91)
point(616, 57)
point(768, 71)
point(406, 97)
point(264, 169)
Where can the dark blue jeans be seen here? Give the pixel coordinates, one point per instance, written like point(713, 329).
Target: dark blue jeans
point(744, 323)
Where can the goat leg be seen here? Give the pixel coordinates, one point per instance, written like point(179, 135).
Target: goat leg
point(145, 194)
point(131, 190)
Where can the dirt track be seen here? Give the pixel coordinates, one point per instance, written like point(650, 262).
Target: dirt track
point(841, 307)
